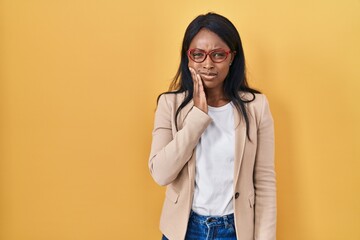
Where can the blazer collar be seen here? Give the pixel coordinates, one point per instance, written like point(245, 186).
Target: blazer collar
point(184, 112)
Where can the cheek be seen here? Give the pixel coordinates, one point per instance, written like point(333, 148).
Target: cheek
point(193, 65)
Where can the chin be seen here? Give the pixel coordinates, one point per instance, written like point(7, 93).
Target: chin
point(211, 86)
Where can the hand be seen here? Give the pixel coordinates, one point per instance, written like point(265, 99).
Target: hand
point(199, 96)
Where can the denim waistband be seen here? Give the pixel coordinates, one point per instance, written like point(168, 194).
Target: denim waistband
point(217, 220)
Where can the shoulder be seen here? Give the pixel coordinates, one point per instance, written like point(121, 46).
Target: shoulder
point(257, 105)
point(254, 99)
point(171, 99)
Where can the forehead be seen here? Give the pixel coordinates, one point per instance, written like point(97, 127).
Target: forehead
point(207, 40)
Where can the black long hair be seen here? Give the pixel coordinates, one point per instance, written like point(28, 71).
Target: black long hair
point(235, 80)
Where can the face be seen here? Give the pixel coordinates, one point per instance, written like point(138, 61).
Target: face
point(213, 74)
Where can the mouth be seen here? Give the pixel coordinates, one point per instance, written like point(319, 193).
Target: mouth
point(208, 75)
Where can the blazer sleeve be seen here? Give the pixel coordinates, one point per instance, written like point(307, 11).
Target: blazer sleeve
point(264, 177)
point(169, 154)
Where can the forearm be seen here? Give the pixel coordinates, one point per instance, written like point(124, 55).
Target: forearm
point(168, 156)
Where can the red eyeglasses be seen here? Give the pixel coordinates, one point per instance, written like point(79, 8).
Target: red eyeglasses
point(216, 55)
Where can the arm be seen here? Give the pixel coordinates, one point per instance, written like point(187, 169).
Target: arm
point(169, 155)
point(264, 178)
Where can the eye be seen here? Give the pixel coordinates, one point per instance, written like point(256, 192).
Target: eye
point(219, 55)
point(197, 54)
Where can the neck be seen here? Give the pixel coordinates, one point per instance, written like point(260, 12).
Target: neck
point(216, 98)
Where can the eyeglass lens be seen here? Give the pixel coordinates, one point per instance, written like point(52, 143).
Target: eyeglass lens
point(217, 56)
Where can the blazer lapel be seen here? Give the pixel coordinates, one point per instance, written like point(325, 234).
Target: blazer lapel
point(184, 112)
point(240, 139)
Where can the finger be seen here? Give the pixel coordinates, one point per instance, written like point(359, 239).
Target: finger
point(201, 94)
point(195, 82)
point(193, 73)
point(200, 85)
point(196, 87)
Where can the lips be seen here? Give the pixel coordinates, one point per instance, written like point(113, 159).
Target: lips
point(207, 75)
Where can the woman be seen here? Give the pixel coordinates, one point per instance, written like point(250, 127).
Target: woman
point(213, 142)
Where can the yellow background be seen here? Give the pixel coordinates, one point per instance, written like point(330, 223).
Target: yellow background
point(79, 80)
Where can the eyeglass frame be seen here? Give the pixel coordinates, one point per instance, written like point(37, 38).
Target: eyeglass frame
point(208, 54)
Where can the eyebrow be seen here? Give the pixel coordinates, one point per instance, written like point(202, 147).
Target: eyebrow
point(212, 49)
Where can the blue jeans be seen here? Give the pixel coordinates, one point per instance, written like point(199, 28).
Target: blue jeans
point(209, 227)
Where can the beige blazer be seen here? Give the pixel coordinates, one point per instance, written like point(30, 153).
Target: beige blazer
point(172, 164)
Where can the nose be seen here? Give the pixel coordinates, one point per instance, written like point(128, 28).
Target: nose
point(208, 63)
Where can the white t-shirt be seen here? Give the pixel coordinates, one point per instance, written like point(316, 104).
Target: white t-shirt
point(215, 164)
